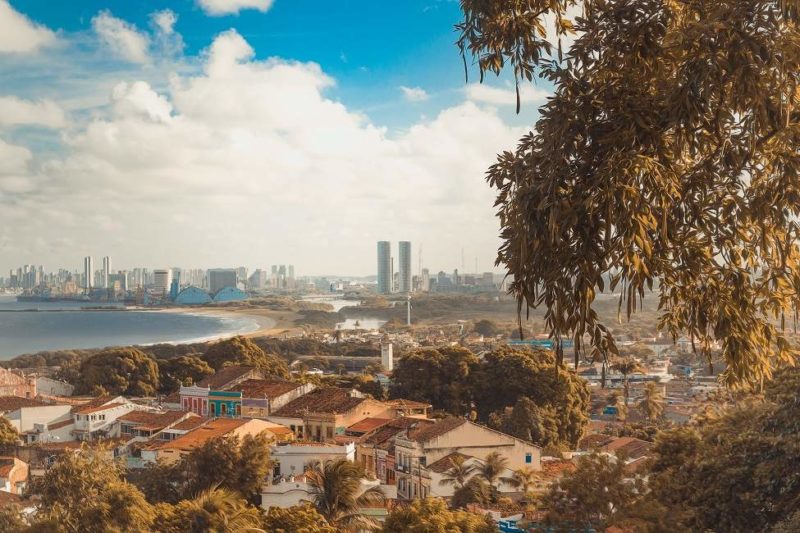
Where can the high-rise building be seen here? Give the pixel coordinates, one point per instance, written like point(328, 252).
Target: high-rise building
point(162, 280)
point(426, 280)
point(219, 278)
point(404, 267)
point(384, 267)
point(88, 272)
point(106, 271)
point(291, 272)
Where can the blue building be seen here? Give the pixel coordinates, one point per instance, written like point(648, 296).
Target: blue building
point(230, 294)
point(192, 296)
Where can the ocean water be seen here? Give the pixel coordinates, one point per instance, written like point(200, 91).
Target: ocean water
point(29, 327)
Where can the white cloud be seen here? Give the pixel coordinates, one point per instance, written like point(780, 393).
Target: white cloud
point(499, 96)
point(15, 111)
point(229, 7)
point(18, 34)
point(165, 20)
point(414, 94)
point(251, 162)
point(124, 39)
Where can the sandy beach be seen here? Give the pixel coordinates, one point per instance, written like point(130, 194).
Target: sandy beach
point(269, 322)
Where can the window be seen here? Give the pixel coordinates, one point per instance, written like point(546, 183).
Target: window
point(93, 417)
point(102, 417)
point(528, 458)
point(223, 409)
point(329, 432)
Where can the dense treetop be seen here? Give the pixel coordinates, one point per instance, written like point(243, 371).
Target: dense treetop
point(667, 156)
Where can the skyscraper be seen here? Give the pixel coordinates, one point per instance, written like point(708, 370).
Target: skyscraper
point(384, 267)
point(219, 278)
point(162, 280)
point(106, 271)
point(404, 267)
point(88, 272)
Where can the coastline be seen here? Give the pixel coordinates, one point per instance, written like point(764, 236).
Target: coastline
point(268, 322)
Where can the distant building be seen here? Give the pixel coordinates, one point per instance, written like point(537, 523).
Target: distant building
point(404, 267)
point(230, 294)
point(88, 272)
point(219, 278)
point(192, 296)
point(387, 357)
point(162, 279)
point(384, 267)
point(426, 280)
point(106, 271)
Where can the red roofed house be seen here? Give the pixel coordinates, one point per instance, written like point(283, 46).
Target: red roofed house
point(13, 475)
point(326, 412)
point(262, 397)
point(171, 451)
point(95, 419)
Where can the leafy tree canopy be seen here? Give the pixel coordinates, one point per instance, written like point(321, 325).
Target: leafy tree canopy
point(125, 371)
point(667, 157)
point(8, 433)
point(298, 519)
point(431, 515)
point(243, 351)
point(181, 370)
point(738, 470)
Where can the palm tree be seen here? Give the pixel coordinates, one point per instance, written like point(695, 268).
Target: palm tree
point(491, 470)
point(652, 404)
point(220, 511)
point(525, 479)
point(627, 366)
point(621, 405)
point(338, 495)
point(458, 474)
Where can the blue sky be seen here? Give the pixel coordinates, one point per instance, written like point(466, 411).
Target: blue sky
point(370, 48)
point(205, 133)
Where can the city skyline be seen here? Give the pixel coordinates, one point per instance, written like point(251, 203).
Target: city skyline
point(109, 146)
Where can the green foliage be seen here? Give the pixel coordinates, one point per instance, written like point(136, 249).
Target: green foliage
point(659, 161)
point(596, 495)
point(243, 351)
point(735, 471)
point(337, 494)
point(8, 434)
point(652, 403)
point(475, 490)
point(11, 519)
point(459, 473)
point(298, 519)
point(486, 328)
point(431, 515)
point(562, 398)
point(117, 371)
point(531, 422)
point(181, 370)
point(439, 376)
point(226, 462)
point(84, 493)
point(212, 511)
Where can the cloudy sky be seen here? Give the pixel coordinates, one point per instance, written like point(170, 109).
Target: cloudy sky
point(202, 133)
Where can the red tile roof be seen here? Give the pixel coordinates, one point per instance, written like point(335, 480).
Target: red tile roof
point(630, 447)
point(446, 463)
point(12, 403)
point(225, 376)
point(92, 403)
point(328, 400)
point(401, 403)
point(59, 425)
point(151, 420)
point(219, 427)
point(263, 388)
point(425, 433)
point(367, 425)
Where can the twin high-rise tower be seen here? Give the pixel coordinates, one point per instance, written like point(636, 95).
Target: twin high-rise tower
point(386, 281)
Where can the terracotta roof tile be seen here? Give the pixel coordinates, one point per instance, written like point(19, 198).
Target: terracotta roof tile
point(329, 400)
point(446, 463)
point(59, 425)
point(91, 403)
point(401, 403)
point(12, 403)
point(224, 376)
point(630, 447)
point(425, 433)
point(368, 424)
point(151, 420)
point(219, 427)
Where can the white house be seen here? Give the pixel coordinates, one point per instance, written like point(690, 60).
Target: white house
point(96, 418)
point(40, 422)
point(294, 458)
point(296, 490)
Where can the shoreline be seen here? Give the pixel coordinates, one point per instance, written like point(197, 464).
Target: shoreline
point(268, 322)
